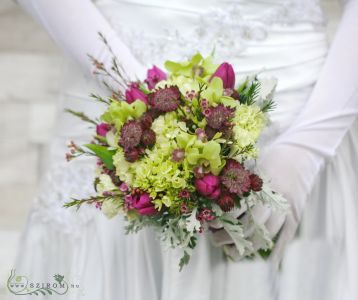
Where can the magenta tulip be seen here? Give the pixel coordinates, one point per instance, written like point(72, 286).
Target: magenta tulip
point(133, 93)
point(154, 75)
point(102, 129)
point(208, 186)
point(144, 205)
point(226, 73)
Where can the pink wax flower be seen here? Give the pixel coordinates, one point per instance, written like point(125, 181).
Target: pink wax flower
point(208, 186)
point(206, 215)
point(154, 75)
point(185, 194)
point(143, 204)
point(123, 187)
point(200, 134)
point(226, 72)
point(134, 93)
point(102, 129)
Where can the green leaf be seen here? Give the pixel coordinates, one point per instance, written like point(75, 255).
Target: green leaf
point(103, 153)
point(184, 260)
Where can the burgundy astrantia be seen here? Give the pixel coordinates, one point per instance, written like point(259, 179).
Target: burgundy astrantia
point(146, 120)
point(235, 178)
point(219, 116)
point(132, 155)
point(131, 133)
point(226, 202)
point(148, 137)
point(165, 99)
point(255, 183)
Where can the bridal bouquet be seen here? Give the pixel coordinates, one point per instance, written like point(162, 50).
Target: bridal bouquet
point(177, 152)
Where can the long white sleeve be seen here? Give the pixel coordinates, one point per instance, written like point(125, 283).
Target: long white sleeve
point(295, 158)
point(74, 25)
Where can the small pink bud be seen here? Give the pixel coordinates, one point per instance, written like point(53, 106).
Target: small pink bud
point(208, 186)
point(133, 93)
point(102, 129)
point(154, 75)
point(226, 73)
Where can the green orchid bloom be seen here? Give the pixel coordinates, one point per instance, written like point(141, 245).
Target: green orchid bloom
point(120, 111)
point(198, 66)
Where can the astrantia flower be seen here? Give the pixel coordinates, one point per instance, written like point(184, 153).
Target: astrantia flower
point(131, 133)
point(148, 137)
point(219, 116)
point(208, 186)
point(146, 120)
point(131, 155)
point(178, 155)
point(235, 178)
point(255, 183)
point(165, 99)
point(210, 132)
point(226, 202)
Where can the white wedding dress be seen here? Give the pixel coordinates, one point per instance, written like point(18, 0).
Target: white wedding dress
point(281, 38)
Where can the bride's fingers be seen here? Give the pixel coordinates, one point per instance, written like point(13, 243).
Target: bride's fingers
point(260, 214)
point(215, 225)
point(220, 238)
point(286, 235)
point(236, 213)
point(232, 252)
point(275, 223)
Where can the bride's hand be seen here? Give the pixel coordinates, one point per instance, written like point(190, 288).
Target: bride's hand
point(278, 165)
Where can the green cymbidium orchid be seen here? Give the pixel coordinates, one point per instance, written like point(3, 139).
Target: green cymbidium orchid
point(198, 66)
point(120, 111)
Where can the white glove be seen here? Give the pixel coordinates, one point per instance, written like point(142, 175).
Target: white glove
point(293, 161)
point(74, 25)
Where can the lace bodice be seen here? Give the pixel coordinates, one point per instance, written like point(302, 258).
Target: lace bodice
point(179, 28)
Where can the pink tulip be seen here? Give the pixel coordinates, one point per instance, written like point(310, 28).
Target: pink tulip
point(102, 129)
point(154, 75)
point(208, 186)
point(134, 93)
point(226, 73)
point(144, 205)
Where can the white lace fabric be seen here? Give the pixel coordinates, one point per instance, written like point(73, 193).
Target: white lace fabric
point(63, 182)
point(226, 27)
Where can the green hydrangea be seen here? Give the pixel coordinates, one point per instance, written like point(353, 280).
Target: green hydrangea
point(105, 184)
point(111, 208)
point(249, 122)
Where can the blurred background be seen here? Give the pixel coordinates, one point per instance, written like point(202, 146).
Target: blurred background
point(30, 79)
point(30, 83)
